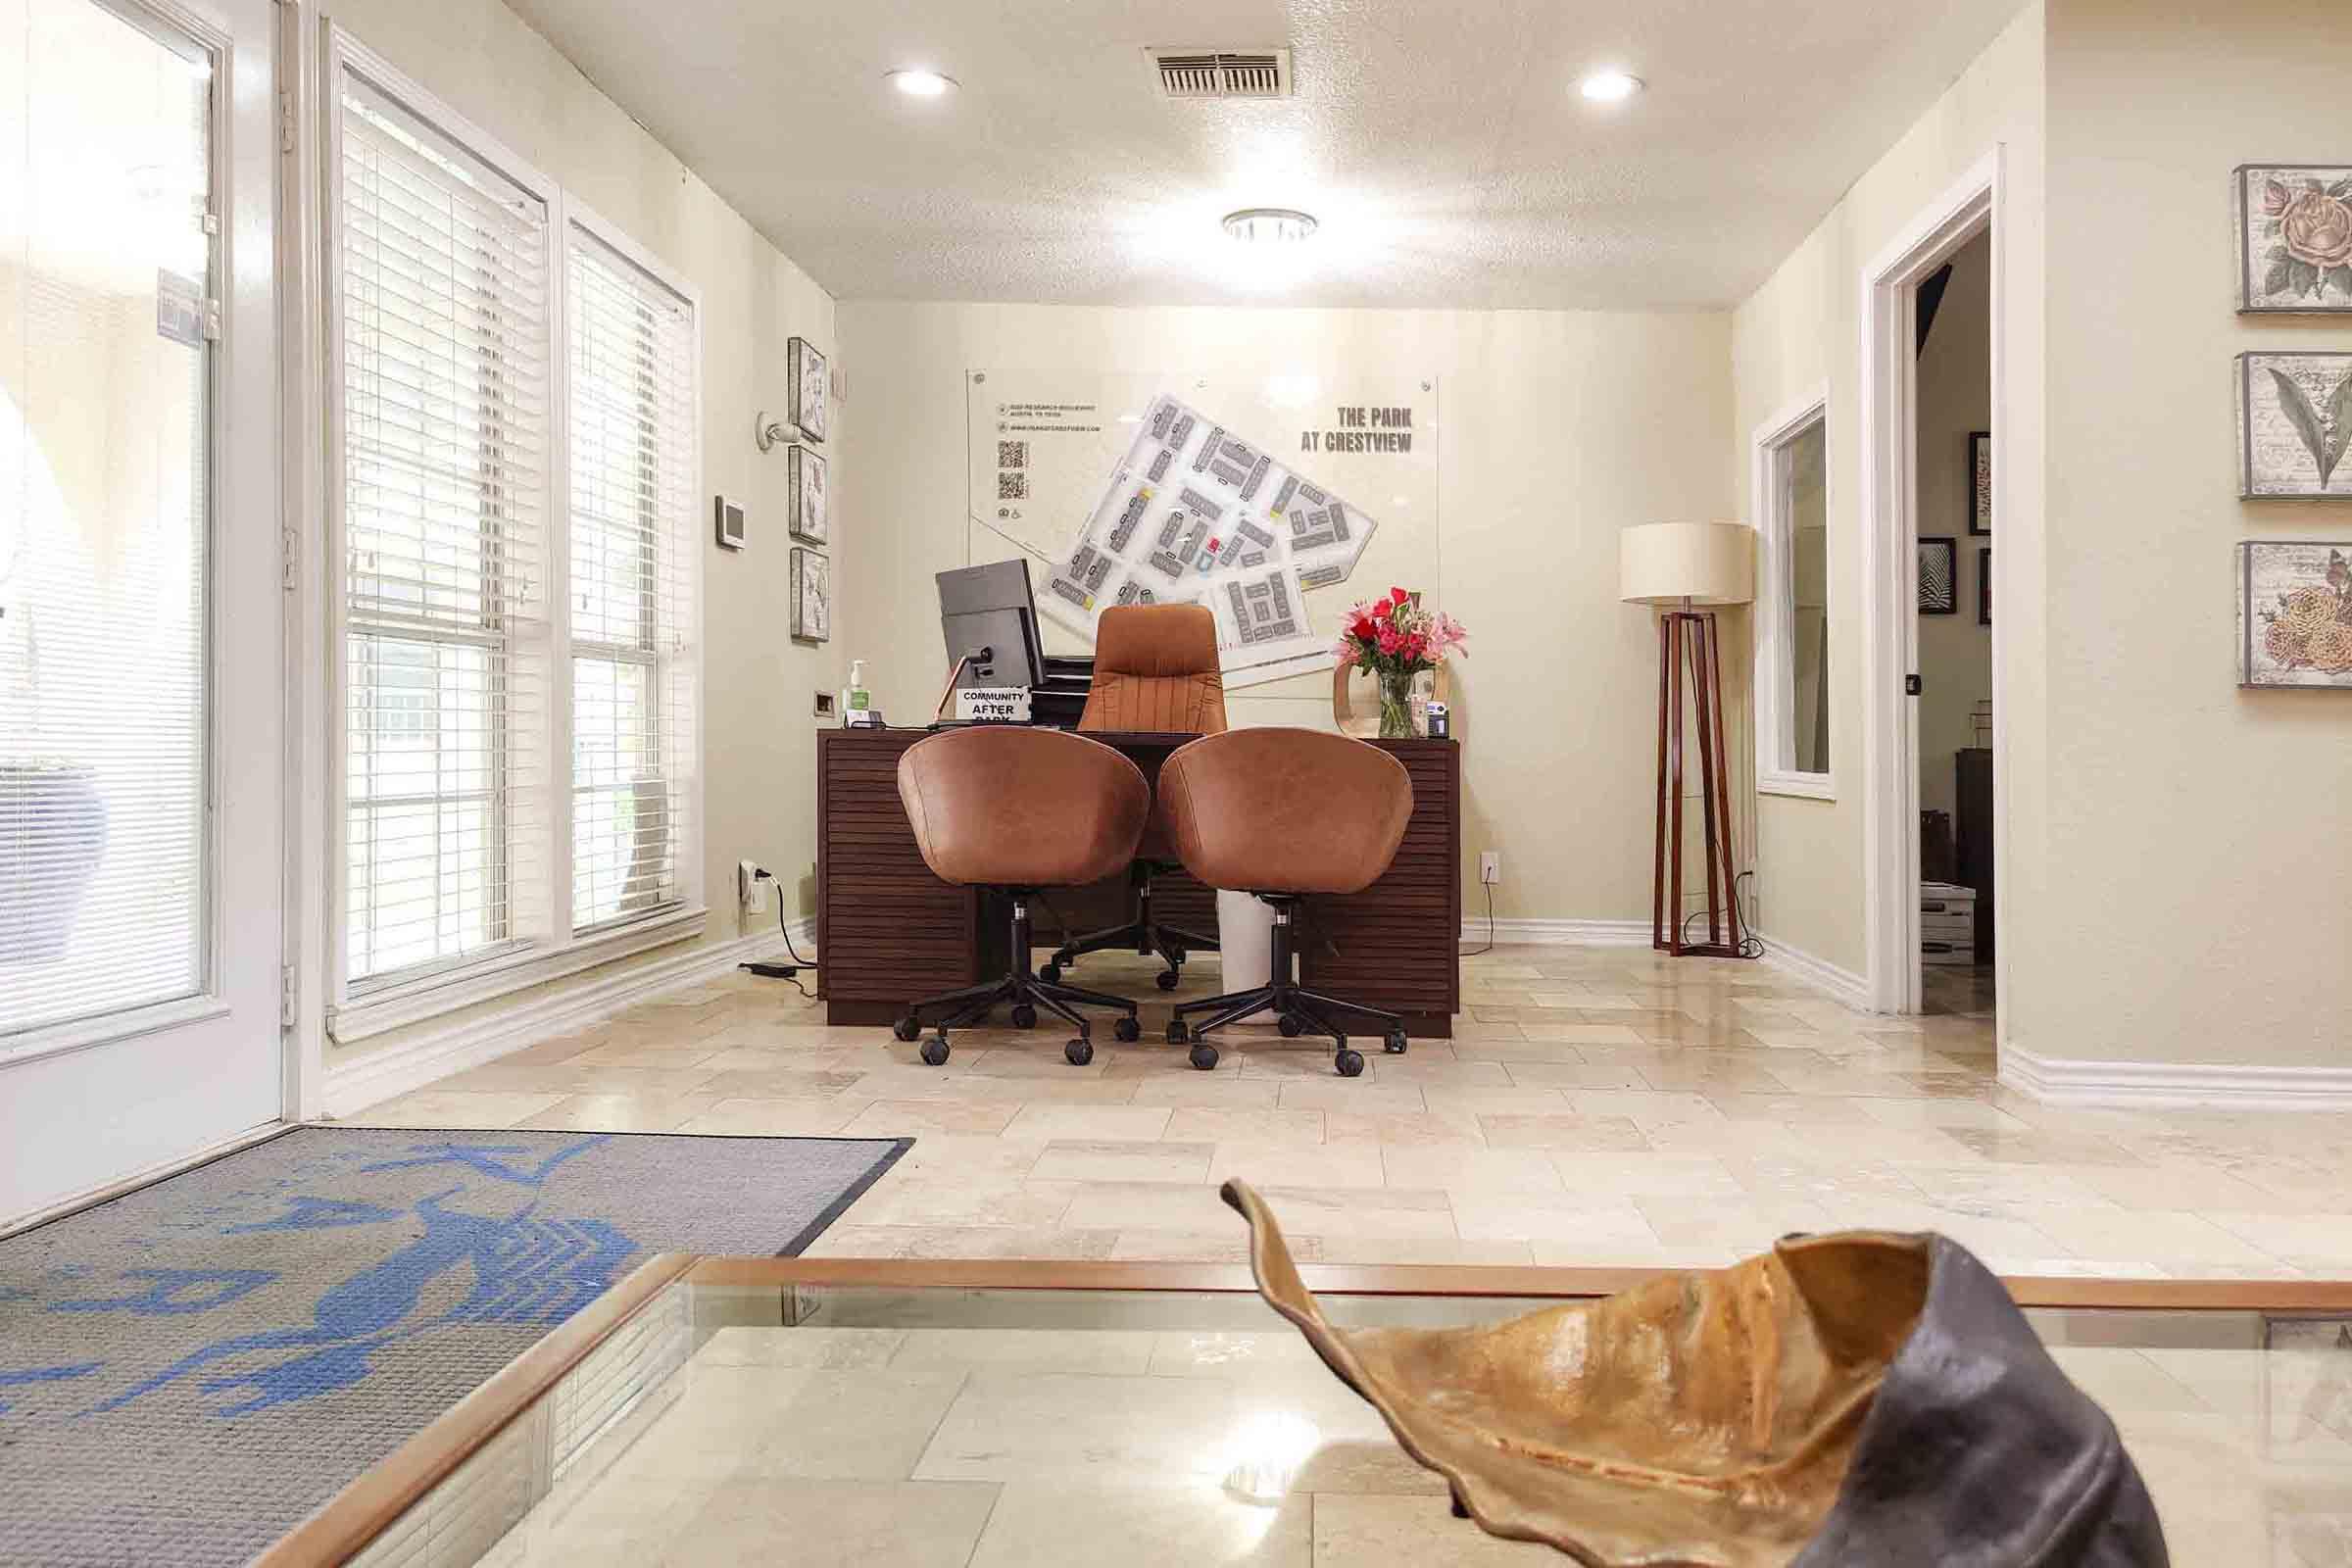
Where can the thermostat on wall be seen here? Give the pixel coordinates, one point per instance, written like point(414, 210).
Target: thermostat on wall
point(730, 525)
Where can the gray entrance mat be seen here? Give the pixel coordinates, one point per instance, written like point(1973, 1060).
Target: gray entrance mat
point(189, 1370)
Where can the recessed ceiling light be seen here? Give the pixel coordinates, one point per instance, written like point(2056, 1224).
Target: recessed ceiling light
point(922, 84)
point(1610, 86)
point(1269, 225)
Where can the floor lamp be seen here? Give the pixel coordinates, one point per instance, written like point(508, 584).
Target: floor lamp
point(1681, 566)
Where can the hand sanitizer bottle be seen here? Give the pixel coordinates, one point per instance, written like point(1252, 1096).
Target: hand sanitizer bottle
point(853, 697)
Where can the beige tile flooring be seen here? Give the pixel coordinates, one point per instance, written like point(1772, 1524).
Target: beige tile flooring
point(1596, 1105)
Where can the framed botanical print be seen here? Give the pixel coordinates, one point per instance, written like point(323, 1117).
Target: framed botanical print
point(811, 596)
point(1938, 578)
point(1980, 483)
point(805, 369)
point(2295, 613)
point(806, 505)
point(1984, 587)
point(2294, 426)
point(2295, 238)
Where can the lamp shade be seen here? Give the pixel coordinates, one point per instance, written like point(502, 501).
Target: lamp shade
point(1705, 563)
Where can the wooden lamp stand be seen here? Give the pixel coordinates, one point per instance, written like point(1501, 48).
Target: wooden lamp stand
point(1687, 641)
point(1677, 567)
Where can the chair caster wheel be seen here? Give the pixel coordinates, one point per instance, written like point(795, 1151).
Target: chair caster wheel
point(1349, 1063)
point(1205, 1057)
point(1291, 1027)
point(1078, 1052)
point(1395, 1042)
point(935, 1052)
point(906, 1029)
point(1166, 979)
point(1177, 1034)
point(1025, 1016)
point(1050, 974)
point(1126, 1031)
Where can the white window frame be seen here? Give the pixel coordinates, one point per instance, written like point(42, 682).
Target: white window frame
point(373, 1009)
point(1776, 640)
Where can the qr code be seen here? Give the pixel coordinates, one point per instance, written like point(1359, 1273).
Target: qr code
point(1013, 487)
point(1013, 453)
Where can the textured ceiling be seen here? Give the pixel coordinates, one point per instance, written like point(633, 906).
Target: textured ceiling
point(1444, 145)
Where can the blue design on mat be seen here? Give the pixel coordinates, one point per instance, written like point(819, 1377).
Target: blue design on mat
point(45, 1373)
point(483, 1157)
point(319, 1215)
point(172, 1292)
point(524, 1268)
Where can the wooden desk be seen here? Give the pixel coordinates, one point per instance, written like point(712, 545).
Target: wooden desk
point(888, 931)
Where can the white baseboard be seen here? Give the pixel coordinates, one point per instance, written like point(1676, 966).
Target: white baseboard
point(436, 1052)
point(1560, 933)
point(1843, 985)
point(2202, 1086)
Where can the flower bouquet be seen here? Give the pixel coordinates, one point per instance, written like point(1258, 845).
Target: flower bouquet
point(1395, 639)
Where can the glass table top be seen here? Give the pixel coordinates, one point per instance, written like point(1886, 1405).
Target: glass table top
point(728, 1423)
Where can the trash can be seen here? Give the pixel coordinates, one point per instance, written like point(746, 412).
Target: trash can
point(1244, 941)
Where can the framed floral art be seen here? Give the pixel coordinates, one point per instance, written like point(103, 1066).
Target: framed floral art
point(2294, 614)
point(2295, 238)
point(2294, 426)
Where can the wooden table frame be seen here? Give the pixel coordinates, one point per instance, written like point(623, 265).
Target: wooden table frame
point(364, 1509)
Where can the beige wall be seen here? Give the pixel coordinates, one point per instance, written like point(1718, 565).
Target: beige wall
point(1558, 429)
point(759, 741)
point(2198, 845)
point(1801, 330)
point(1955, 397)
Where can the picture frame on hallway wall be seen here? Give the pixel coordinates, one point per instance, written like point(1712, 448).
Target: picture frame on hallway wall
point(2294, 239)
point(1980, 483)
point(2295, 613)
point(805, 370)
point(1940, 577)
point(2294, 426)
point(1985, 586)
point(811, 589)
point(808, 518)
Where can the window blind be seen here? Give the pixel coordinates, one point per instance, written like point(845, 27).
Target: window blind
point(633, 446)
point(446, 336)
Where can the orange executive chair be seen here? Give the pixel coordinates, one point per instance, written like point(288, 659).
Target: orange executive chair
point(1156, 672)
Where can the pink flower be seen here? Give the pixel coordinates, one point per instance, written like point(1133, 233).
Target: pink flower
point(1347, 651)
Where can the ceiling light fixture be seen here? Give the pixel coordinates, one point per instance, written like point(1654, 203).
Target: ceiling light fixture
point(921, 83)
point(1269, 225)
point(1610, 86)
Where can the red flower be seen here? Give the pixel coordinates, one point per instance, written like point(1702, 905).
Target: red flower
point(1398, 596)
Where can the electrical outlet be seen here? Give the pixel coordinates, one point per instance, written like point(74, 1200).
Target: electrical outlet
point(748, 888)
point(1490, 867)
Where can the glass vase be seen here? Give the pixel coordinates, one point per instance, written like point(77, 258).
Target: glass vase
point(1396, 706)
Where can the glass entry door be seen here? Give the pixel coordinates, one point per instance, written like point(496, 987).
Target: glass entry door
point(140, 613)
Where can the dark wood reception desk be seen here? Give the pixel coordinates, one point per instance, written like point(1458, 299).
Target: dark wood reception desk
point(888, 931)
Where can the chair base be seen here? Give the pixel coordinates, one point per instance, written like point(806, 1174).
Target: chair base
point(1026, 993)
point(1145, 936)
point(1296, 1011)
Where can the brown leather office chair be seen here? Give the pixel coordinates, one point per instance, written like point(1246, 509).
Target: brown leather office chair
point(1156, 672)
point(1018, 810)
point(1284, 813)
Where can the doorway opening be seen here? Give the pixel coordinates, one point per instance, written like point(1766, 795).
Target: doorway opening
point(1933, 494)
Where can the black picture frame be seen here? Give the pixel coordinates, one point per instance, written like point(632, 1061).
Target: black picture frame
point(1980, 483)
point(1985, 586)
point(1938, 599)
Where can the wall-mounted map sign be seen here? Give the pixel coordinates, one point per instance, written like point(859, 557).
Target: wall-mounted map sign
point(1187, 502)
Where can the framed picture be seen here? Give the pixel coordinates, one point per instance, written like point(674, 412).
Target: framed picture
point(812, 595)
point(1980, 483)
point(805, 368)
point(1984, 587)
point(2295, 238)
point(2295, 613)
point(2294, 426)
point(807, 502)
point(1938, 578)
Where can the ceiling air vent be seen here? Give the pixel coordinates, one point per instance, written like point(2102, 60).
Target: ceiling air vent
point(1222, 73)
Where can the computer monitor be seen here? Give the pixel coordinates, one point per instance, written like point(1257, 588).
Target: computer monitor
point(989, 613)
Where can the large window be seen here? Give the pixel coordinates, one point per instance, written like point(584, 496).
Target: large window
point(516, 532)
point(1793, 650)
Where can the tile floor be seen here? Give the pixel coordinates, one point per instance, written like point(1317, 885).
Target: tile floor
point(1596, 1105)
